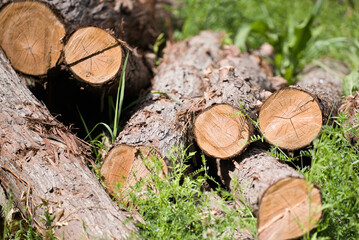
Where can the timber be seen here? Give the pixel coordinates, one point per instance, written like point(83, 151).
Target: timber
point(222, 131)
point(286, 205)
point(156, 123)
point(31, 36)
point(292, 117)
point(43, 166)
point(233, 86)
point(97, 58)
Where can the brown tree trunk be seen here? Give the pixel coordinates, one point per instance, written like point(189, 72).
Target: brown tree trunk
point(285, 204)
point(292, 117)
point(43, 166)
point(157, 122)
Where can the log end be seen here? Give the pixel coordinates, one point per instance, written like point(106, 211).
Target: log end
point(125, 165)
point(93, 55)
point(290, 118)
point(222, 131)
point(289, 209)
point(31, 36)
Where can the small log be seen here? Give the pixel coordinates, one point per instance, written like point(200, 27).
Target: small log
point(31, 36)
point(96, 58)
point(43, 167)
point(286, 205)
point(156, 123)
point(222, 131)
point(292, 117)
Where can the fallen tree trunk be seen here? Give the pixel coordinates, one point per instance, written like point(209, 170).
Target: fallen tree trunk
point(286, 205)
point(43, 167)
point(292, 117)
point(156, 123)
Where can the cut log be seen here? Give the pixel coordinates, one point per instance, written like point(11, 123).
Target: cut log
point(229, 85)
point(286, 205)
point(156, 123)
point(126, 164)
point(31, 36)
point(95, 57)
point(292, 117)
point(43, 166)
point(222, 131)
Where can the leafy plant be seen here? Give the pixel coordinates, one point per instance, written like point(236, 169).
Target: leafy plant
point(289, 42)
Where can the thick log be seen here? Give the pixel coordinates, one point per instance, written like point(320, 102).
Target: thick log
point(286, 205)
point(31, 36)
point(292, 117)
point(156, 123)
point(43, 166)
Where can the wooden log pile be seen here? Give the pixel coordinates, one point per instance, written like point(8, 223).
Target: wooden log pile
point(203, 94)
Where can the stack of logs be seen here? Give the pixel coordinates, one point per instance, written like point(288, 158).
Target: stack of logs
point(214, 96)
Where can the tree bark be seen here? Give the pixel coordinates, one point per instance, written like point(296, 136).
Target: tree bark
point(43, 166)
point(285, 204)
point(292, 117)
point(157, 123)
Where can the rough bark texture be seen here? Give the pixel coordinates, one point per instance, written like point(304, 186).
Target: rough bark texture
point(184, 65)
point(254, 171)
point(350, 107)
point(325, 84)
point(156, 122)
point(132, 21)
point(252, 176)
point(43, 166)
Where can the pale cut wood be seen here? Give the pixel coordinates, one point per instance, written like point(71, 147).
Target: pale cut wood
point(31, 36)
point(125, 165)
point(93, 55)
point(43, 166)
point(290, 118)
point(285, 204)
point(222, 131)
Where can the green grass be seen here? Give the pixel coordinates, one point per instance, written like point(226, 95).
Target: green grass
point(176, 207)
